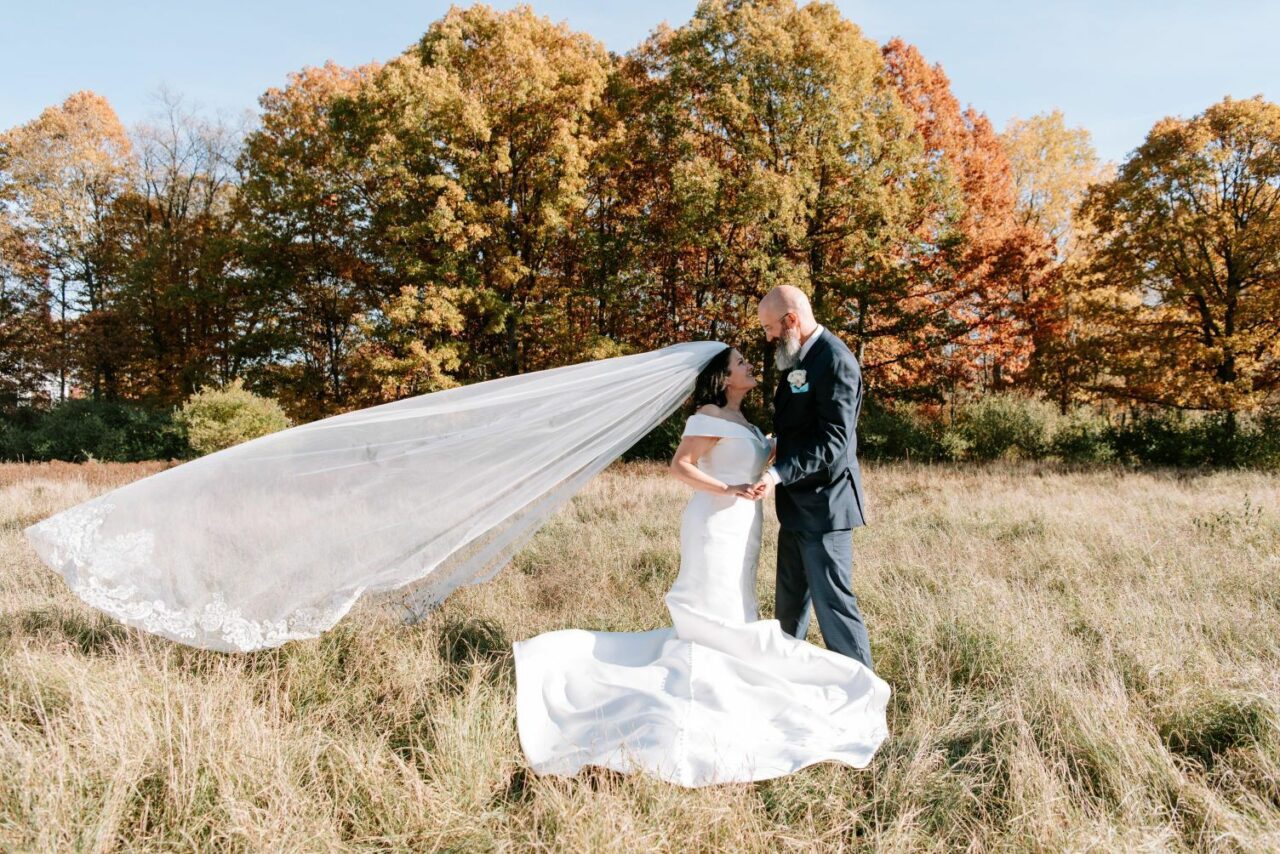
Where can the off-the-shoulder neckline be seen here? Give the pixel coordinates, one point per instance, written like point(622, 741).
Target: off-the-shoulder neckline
point(735, 423)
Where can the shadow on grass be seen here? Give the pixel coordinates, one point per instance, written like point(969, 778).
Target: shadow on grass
point(90, 633)
point(1204, 730)
point(467, 642)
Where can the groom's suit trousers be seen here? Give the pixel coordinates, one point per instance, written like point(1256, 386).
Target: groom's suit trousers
point(815, 568)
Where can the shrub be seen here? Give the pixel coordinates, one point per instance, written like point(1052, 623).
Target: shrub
point(1182, 439)
point(1082, 436)
point(82, 429)
point(219, 418)
point(16, 427)
point(901, 431)
point(1011, 425)
point(1252, 441)
point(1265, 448)
point(1003, 425)
point(1153, 438)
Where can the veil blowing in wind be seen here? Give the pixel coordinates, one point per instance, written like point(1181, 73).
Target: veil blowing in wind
point(275, 539)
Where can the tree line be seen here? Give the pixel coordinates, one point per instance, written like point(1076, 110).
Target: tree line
point(507, 195)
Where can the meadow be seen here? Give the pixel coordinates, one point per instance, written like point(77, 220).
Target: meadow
point(1081, 658)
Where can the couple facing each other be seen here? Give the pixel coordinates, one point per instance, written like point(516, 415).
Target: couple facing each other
point(721, 695)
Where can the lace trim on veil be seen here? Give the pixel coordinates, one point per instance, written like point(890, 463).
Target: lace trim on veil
point(72, 542)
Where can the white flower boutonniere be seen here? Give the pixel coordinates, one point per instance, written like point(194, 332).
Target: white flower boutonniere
point(798, 379)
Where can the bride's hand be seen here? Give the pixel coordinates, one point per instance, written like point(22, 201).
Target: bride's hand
point(740, 490)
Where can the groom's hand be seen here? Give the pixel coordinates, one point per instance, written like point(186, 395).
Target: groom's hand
point(761, 488)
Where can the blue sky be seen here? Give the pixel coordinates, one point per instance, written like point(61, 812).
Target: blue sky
point(1114, 67)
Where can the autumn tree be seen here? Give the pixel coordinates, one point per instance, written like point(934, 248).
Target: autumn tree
point(778, 153)
point(1053, 167)
point(179, 303)
point(408, 345)
point(984, 287)
point(506, 195)
point(306, 211)
point(721, 213)
point(26, 332)
point(62, 173)
point(620, 300)
point(478, 141)
point(1188, 235)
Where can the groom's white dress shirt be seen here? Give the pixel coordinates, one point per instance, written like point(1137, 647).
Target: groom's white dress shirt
point(772, 473)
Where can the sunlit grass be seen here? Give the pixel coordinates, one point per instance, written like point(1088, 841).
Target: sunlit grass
point(1080, 660)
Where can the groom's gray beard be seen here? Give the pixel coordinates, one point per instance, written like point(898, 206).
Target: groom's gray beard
point(786, 353)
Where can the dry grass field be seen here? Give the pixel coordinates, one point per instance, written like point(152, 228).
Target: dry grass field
point(1081, 660)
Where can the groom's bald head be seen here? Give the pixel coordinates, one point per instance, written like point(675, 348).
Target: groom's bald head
point(780, 302)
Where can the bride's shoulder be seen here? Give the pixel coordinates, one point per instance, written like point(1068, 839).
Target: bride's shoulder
point(712, 420)
point(705, 421)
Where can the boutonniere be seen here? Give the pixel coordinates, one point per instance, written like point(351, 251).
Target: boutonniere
point(799, 380)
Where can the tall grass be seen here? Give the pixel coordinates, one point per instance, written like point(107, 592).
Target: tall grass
point(1080, 660)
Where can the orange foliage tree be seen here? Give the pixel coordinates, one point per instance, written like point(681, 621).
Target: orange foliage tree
point(985, 288)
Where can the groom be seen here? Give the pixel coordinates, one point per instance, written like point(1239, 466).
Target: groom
point(819, 484)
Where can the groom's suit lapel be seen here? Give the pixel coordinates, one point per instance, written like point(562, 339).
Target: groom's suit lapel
point(820, 344)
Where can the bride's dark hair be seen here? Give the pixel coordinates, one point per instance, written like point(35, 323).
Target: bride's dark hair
point(711, 382)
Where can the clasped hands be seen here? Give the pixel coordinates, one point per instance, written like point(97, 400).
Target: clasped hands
point(752, 491)
point(763, 485)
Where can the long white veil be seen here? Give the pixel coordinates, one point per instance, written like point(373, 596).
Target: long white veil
point(276, 538)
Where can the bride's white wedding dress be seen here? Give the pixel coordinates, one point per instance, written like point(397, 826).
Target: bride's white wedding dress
point(720, 696)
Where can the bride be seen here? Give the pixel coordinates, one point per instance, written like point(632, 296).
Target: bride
point(720, 695)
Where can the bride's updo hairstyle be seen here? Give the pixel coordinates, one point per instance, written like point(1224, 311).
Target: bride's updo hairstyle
point(710, 386)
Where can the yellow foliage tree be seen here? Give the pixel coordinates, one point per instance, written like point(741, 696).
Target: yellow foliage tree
point(478, 140)
point(61, 173)
point(1053, 167)
point(408, 345)
point(1188, 237)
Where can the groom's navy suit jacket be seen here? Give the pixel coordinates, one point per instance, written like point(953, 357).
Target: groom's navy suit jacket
point(820, 487)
